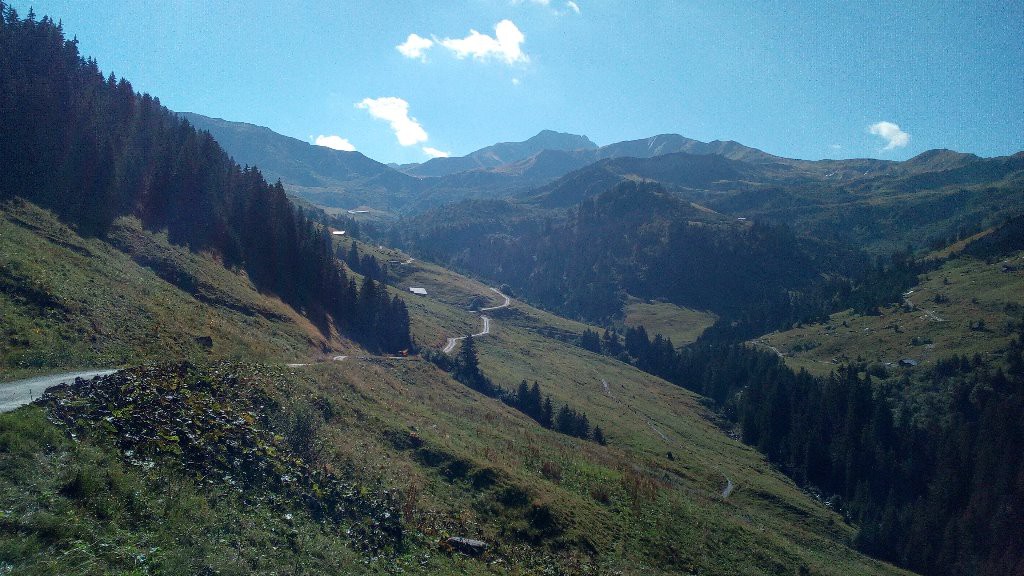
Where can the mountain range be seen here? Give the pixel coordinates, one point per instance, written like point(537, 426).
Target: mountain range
point(500, 154)
point(860, 201)
point(662, 355)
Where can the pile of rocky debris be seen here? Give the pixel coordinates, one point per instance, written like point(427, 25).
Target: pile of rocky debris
point(216, 428)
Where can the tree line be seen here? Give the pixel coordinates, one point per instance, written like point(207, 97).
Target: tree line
point(91, 149)
point(938, 491)
point(529, 400)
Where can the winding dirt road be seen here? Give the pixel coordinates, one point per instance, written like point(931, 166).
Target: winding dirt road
point(450, 345)
point(507, 301)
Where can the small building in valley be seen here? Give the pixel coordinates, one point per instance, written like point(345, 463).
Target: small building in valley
point(418, 291)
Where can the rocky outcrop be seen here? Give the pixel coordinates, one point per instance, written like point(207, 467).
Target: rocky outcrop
point(467, 546)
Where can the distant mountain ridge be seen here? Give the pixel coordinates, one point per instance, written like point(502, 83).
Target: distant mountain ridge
point(501, 154)
point(558, 170)
point(672, 143)
point(576, 152)
point(304, 166)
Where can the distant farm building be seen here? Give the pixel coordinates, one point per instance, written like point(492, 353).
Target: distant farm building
point(419, 291)
point(358, 211)
point(338, 232)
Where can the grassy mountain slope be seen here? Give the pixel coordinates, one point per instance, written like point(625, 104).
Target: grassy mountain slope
point(645, 419)
point(682, 325)
point(290, 159)
point(461, 463)
point(334, 178)
point(965, 307)
point(71, 302)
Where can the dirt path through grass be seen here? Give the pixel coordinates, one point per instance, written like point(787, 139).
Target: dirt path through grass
point(450, 345)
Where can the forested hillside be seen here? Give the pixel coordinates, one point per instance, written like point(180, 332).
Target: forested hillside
point(914, 461)
point(920, 455)
point(91, 149)
point(925, 465)
point(641, 240)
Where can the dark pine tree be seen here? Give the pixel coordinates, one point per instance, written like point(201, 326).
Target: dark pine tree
point(547, 416)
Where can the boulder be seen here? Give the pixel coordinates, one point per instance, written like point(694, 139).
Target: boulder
point(467, 546)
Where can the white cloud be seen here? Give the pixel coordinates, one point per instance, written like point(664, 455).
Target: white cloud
point(396, 112)
point(515, 81)
point(336, 142)
point(894, 137)
point(415, 46)
point(573, 6)
point(435, 153)
point(505, 45)
point(835, 146)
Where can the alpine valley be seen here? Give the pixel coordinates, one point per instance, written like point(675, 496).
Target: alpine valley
point(657, 356)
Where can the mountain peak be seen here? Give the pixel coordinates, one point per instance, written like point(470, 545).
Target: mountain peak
point(938, 159)
point(503, 153)
point(551, 140)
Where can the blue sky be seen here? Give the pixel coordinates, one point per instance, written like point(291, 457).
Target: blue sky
point(797, 79)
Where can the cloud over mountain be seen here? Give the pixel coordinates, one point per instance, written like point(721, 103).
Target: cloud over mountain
point(435, 153)
point(505, 45)
point(894, 137)
point(395, 111)
point(336, 142)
